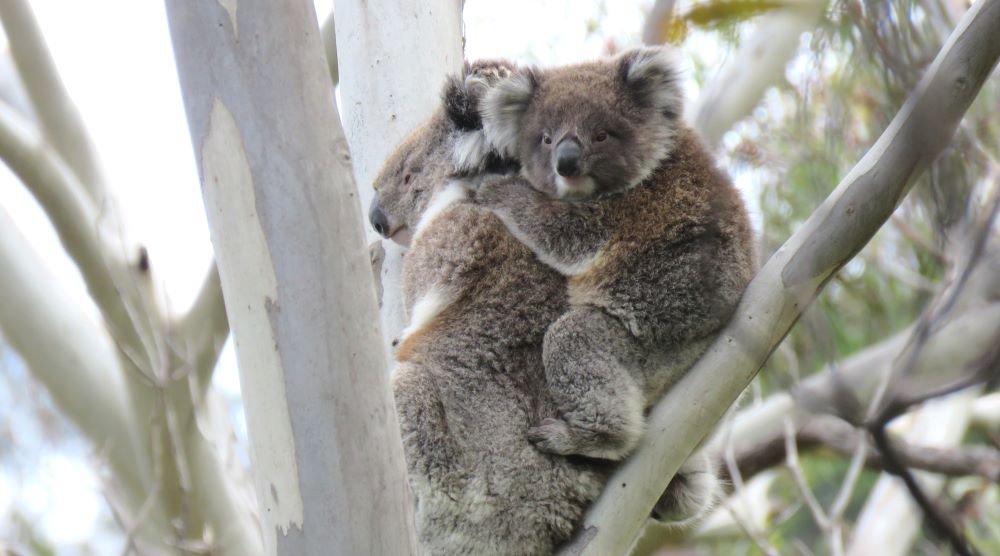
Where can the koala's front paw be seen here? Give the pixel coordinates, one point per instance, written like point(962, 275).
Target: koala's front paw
point(552, 436)
point(567, 437)
point(556, 436)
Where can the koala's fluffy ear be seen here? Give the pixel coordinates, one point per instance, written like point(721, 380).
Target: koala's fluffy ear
point(650, 74)
point(460, 104)
point(463, 98)
point(504, 107)
point(463, 94)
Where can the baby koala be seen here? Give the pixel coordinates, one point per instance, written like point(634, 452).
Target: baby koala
point(625, 201)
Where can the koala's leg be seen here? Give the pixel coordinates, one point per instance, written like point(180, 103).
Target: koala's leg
point(427, 446)
point(599, 402)
point(693, 492)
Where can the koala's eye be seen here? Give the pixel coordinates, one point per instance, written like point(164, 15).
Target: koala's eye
point(601, 136)
point(406, 179)
point(546, 139)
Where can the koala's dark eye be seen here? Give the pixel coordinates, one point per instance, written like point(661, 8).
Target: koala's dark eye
point(546, 139)
point(406, 179)
point(601, 136)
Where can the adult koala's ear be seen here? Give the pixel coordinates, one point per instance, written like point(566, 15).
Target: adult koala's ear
point(463, 94)
point(650, 74)
point(460, 105)
point(504, 108)
point(463, 98)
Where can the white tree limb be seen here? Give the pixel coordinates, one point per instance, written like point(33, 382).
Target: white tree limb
point(60, 121)
point(759, 61)
point(76, 221)
point(789, 281)
point(392, 56)
point(986, 412)
point(203, 330)
point(282, 208)
point(71, 356)
point(658, 17)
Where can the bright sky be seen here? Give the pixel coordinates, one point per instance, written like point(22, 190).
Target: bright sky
point(116, 60)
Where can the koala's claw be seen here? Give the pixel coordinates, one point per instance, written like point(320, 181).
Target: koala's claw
point(551, 436)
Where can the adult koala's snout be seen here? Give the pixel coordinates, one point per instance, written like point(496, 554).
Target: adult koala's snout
point(378, 219)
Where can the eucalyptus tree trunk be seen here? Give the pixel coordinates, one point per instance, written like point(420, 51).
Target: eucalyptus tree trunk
point(392, 58)
point(287, 229)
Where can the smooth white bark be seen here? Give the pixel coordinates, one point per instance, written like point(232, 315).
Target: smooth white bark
point(286, 225)
point(392, 58)
point(60, 121)
point(759, 61)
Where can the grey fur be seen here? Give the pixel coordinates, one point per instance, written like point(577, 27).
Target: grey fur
point(656, 257)
point(471, 381)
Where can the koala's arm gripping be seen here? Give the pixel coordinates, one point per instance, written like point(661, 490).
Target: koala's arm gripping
point(564, 235)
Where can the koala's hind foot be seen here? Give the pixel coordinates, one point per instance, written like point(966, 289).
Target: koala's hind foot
point(691, 495)
point(599, 403)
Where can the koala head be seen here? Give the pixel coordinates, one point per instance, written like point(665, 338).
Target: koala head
point(412, 173)
point(588, 129)
point(448, 145)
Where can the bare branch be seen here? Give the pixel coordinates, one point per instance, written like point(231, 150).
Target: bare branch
point(71, 356)
point(827, 431)
point(792, 463)
point(775, 299)
point(940, 423)
point(60, 121)
point(759, 61)
point(76, 222)
point(656, 21)
point(899, 400)
point(203, 331)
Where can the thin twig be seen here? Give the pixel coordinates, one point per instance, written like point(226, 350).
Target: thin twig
point(792, 462)
point(739, 488)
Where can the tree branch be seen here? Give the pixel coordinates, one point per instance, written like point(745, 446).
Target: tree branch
point(287, 230)
point(759, 61)
point(60, 121)
point(656, 21)
point(203, 330)
point(792, 278)
point(827, 431)
point(69, 354)
point(940, 423)
point(76, 222)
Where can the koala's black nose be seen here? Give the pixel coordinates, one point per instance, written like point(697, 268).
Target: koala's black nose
point(378, 219)
point(568, 158)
